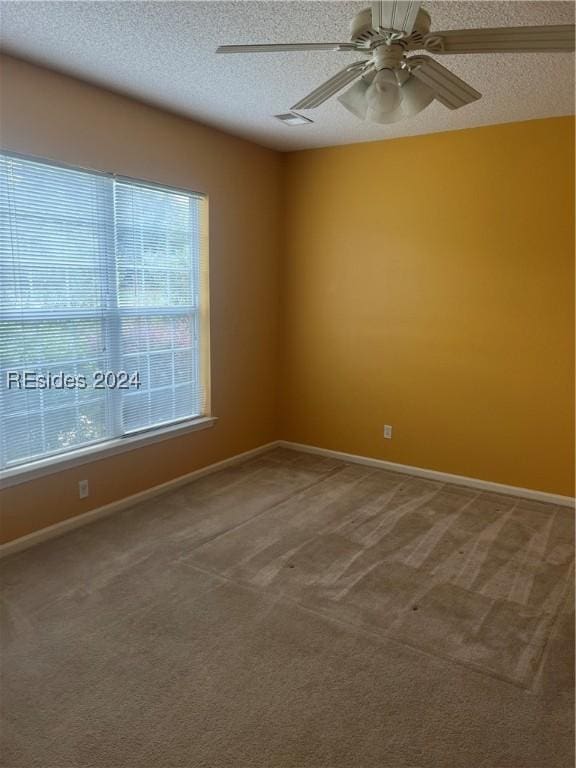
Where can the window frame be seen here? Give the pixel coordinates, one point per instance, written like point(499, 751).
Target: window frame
point(119, 443)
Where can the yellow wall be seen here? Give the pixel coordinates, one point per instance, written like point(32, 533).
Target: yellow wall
point(425, 283)
point(47, 114)
point(428, 284)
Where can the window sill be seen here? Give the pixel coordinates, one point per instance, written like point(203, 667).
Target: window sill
point(49, 466)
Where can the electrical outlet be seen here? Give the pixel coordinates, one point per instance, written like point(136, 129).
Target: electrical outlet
point(387, 431)
point(83, 489)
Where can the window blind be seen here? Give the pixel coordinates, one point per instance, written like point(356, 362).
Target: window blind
point(100, 283)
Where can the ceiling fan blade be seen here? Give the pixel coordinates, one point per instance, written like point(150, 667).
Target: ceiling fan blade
point(449, 89)
point(502, 40)
point(397, 15)
point(333, 85)
point(279, 47)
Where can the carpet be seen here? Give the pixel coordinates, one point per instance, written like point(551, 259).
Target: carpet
point(295, 612)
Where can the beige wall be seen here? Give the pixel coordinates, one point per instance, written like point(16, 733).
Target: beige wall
point(57, 117)
point(429, 284)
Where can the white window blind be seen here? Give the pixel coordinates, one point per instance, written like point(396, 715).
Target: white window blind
point(99, 281)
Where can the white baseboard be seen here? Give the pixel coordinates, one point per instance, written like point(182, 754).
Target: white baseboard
point(432, 474)
point(51, 531)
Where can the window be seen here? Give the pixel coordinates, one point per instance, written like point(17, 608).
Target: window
point(101, 308)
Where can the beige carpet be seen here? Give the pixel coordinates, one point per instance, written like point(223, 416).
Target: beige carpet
point(296, 612)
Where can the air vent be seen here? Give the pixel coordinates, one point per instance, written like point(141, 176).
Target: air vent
point(293, 118)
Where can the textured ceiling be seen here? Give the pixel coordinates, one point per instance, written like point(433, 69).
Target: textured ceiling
point(163, 53)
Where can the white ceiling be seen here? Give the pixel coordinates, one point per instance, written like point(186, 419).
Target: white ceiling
point(163, 53)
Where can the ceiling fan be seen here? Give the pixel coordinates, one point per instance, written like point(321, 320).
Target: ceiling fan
point(392, 85)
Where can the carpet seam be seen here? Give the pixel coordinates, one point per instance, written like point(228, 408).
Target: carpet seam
point(262, 512)
point(283, 598)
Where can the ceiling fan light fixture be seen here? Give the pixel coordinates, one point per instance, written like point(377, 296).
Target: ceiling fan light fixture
point(354, 99)
point(383, 93)
point(416, 96)
point(390, 96)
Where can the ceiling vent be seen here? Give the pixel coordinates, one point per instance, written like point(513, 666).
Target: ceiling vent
point(293, 118)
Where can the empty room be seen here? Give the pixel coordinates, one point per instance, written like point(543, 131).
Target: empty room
point(287, 389)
